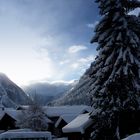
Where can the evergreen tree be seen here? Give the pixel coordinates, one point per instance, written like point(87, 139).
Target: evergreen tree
point(115, 78)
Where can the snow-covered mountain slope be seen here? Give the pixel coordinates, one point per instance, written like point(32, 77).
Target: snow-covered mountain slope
point(10, 94)
point(80, 93)
point(44, 92)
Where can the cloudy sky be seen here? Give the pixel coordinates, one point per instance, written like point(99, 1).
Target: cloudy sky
point(46, 40)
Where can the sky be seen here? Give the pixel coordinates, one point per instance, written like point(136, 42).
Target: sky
point(46, 40)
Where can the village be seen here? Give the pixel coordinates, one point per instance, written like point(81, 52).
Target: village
point(67, 122)
point(68, 89)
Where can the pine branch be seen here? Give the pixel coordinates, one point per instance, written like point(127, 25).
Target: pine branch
point(131, 4)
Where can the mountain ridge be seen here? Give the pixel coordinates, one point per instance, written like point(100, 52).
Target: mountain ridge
point(45, 92)
point(79, 95)
point(11, 95)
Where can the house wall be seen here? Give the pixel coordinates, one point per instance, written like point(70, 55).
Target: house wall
point(129, 123)
point(75, 136)
point(7, 123)
point(58, 130)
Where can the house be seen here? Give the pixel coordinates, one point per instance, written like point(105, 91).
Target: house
point(61, 122)
point(79, 129)
point(8, 118)
point(7, 122)
point(62, 115)
point(64, 120)
point(58, 117)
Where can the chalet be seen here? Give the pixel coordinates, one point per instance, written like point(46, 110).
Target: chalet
point(7, 122)
point(79, 129)
point(61, 122)
point(64, 120)
point(58, 117)
point(62, 115)
point(8, 118)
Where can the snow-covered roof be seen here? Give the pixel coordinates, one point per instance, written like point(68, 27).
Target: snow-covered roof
point(11, 112)
point(133, 137)
point(61, 110)
point(79, 124)
point(15, 114)
point(48, 120)
point(22, 134)
point(20, 130)
point(67, 118)
point(2, 113)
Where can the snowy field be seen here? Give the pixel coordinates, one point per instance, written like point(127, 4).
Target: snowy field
point(133, 137)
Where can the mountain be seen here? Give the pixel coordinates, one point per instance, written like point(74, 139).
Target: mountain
point(80, 92)
point(10, 94)
point(44, 92)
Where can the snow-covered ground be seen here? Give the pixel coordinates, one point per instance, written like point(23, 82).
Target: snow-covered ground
point(61, 139)
point(133, 137)
point(25, 134)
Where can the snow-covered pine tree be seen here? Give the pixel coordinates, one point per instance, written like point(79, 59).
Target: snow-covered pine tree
point(115, 78)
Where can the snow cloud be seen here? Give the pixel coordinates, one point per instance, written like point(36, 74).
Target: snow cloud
point(82, 63)
point(76, 48)
point(92, 25)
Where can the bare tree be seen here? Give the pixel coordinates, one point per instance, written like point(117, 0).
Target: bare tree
point(34, 118)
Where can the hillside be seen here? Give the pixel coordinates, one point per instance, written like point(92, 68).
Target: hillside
point(79, 94)
point(10, 94)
